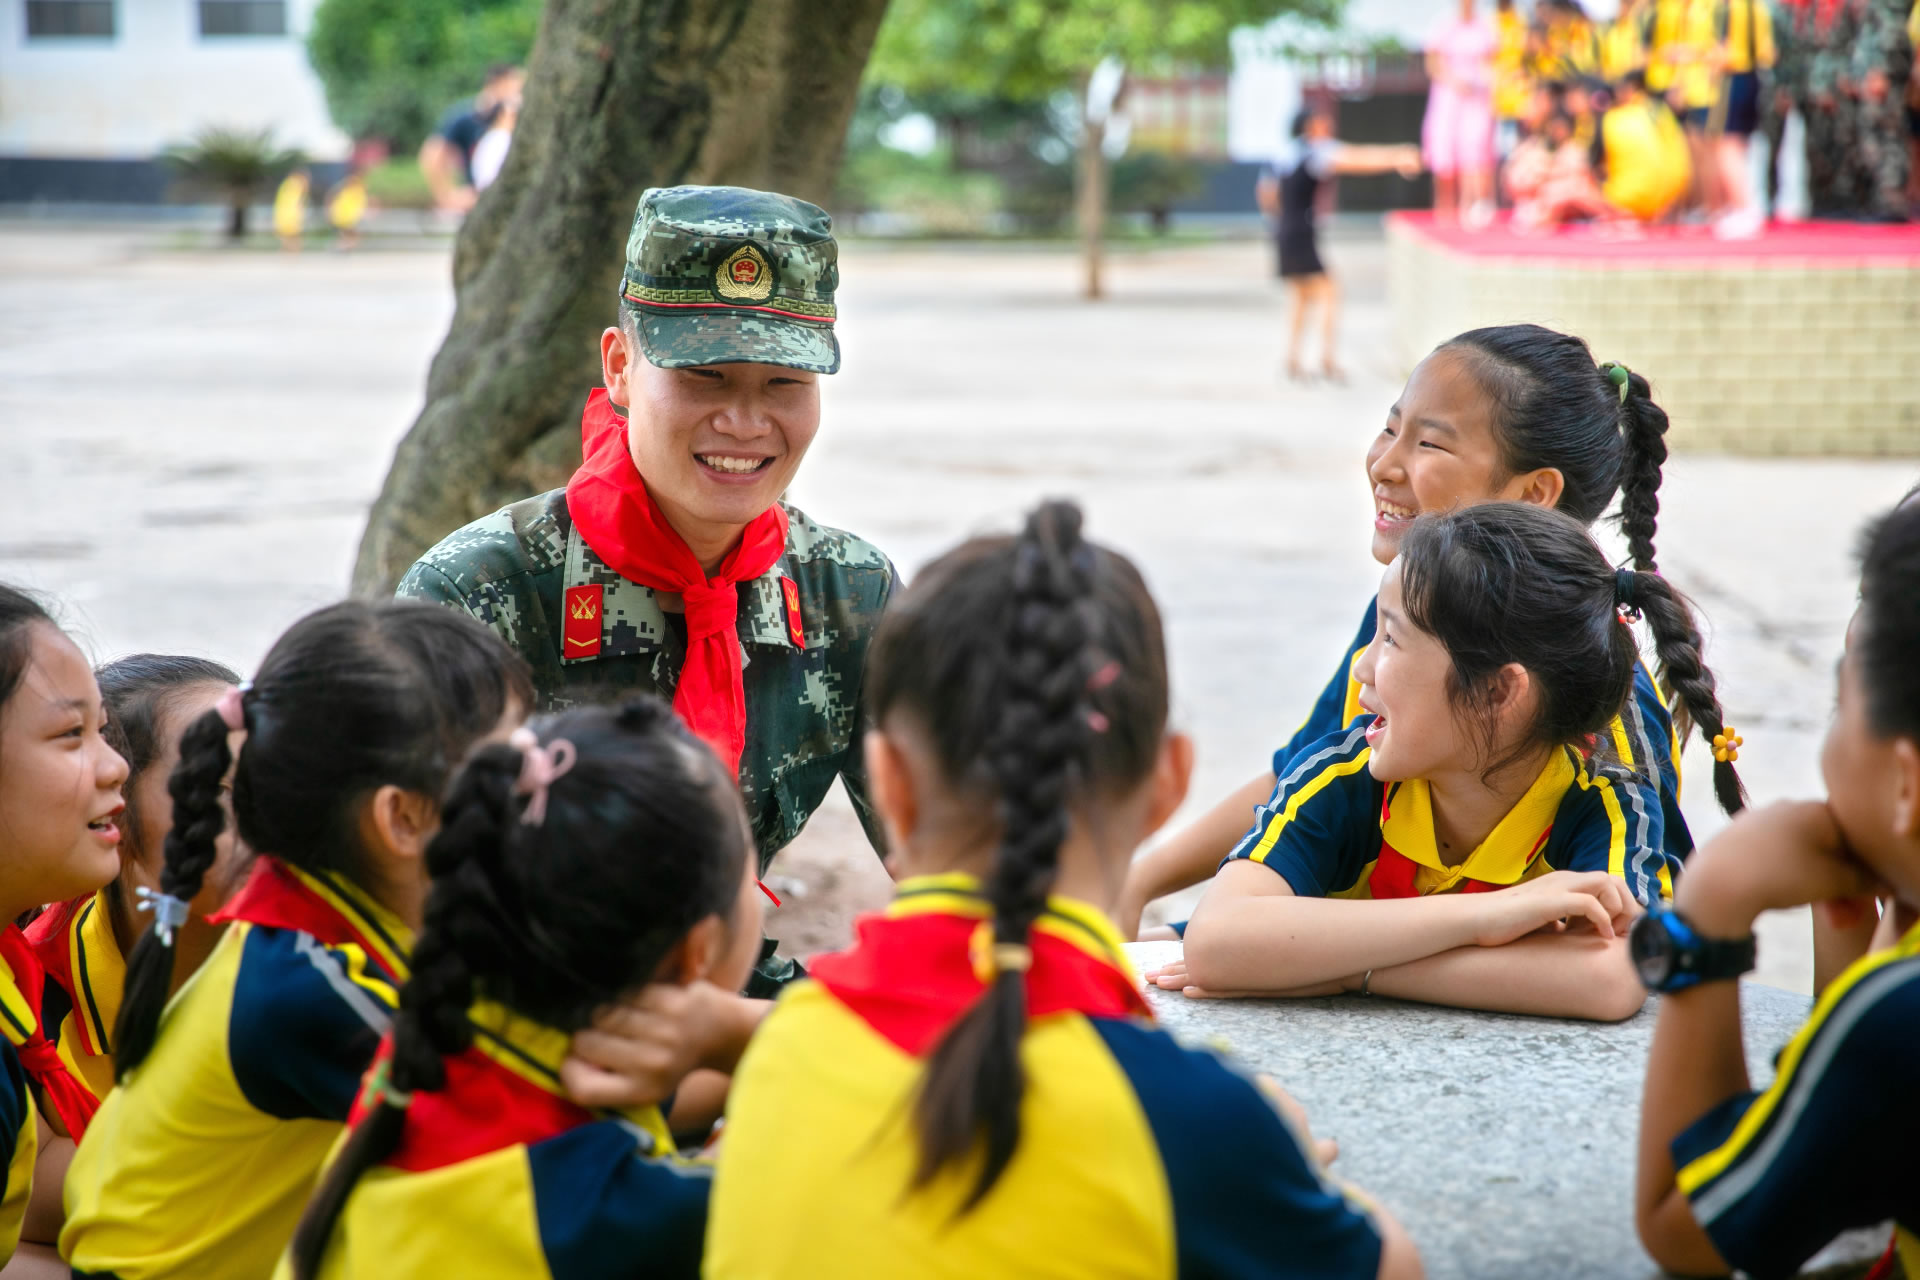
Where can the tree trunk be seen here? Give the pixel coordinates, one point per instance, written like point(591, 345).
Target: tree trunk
point(622, 95)
point(1092, 196)
point(237, 217)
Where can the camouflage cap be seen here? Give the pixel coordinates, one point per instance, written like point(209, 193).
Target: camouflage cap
point(727, 275)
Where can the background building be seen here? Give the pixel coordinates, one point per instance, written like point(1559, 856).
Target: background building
point(91, 91)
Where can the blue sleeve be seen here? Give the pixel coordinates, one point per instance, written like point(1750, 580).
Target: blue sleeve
point(1321, 825)
point(1827, 1147)
point(1611, 820)
point(16, 1109)
point(1326, 717)
point(305, 1023)
point(1247, 1201)
point(607, 1211)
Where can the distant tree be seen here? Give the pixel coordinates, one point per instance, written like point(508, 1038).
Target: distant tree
point(621, 95)
point(236, 166)
point(1029, 49)
point(392, 67)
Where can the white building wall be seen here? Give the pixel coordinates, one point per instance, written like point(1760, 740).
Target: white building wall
point(156, 82)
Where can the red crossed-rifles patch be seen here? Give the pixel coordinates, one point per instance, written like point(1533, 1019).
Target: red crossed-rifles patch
point(790, 594)
point(580, 637)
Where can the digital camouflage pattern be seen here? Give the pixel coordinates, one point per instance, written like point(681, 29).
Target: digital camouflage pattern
point(512, 569)
point(1856, 148)
point(722, 275)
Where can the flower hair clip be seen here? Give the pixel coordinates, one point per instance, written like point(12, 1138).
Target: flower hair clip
point(1727, 744)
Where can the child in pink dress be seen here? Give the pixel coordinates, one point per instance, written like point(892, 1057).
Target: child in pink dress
point(1457, 136)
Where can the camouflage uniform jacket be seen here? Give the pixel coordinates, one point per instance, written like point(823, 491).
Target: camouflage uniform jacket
point(511, 570)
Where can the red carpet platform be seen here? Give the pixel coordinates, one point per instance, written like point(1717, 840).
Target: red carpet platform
point(1803, 340)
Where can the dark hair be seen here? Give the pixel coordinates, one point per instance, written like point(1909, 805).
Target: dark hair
point(499, 71)
point(1301, 119)
point(640, 840)
point(139, 691)
point(18, 612)
point(1553, 407)
point(1009, 652)
point(353, 697)
point(1887, 635)
point(1505, 582)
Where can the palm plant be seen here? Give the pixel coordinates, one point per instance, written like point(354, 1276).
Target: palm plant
point(236, 165)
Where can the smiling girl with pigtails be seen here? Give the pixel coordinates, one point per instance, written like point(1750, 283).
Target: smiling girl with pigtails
point(1465, 841)
point(1513, 413)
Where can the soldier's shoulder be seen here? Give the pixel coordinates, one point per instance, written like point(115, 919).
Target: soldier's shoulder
point(523, 538)
point(810, 542)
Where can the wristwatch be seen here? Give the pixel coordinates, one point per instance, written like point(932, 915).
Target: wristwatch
point(1670, 954)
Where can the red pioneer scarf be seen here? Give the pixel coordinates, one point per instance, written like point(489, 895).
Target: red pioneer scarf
point(626, 528)
point(71, 1100)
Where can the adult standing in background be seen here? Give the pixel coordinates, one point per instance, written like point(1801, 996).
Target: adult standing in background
point(1457, 135)
point(1290, 193)
point(446, 157)
point(669, 565)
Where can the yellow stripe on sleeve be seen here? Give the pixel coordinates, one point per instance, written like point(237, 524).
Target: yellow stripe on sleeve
point(1704, 1169)
point(1279, 822)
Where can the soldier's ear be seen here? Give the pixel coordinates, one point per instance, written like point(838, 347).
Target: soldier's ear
point(616, 364)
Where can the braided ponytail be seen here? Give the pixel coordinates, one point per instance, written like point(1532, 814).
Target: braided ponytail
point(1645, 427)
point(187, 855)
point(431, 1023)
point(974, 1081)
point(1677, 644)
point(550, 911)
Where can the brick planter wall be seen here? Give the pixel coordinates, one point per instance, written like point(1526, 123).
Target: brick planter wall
point(1747, 354)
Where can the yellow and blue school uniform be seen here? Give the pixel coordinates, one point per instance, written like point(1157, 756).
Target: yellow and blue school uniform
point(202, 1160)
point(1333, 830)
point(1641, 739)
point(1137, 1157)
point(86, 977)
point(20, 1022)
point(500, 1174)
point(1774, 1175)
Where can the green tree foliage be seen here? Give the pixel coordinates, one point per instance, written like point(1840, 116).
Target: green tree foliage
point(1025, 49)
point(392, 67)
point(236, 166)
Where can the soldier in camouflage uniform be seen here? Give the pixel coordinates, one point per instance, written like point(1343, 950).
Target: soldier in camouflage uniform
point(1882, 59)
point(1844, 62)
point(726, 319)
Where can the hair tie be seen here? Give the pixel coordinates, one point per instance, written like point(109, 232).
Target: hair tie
point(232, 707)
point(379, 1088)
point(169, 912)
point(1105, 676)
point(1727, 744)
point(991, 959)
point(1619, 375)
point(540, 767)
point(1626, 585)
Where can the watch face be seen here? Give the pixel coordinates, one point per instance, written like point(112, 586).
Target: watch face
point(1651, 947)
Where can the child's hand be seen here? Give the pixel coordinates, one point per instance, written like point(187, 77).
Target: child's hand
point(1172, 976)
point(638, 1051)
point(1550, 902)
point(1785, 855)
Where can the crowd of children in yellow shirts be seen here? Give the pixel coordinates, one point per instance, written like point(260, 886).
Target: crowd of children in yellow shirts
point(1634, 120)
point(462, 986)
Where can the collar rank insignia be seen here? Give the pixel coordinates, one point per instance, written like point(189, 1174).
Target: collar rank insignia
point(580, 637)
point(790, 594)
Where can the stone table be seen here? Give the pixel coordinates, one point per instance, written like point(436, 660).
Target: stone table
point(1504, 1144)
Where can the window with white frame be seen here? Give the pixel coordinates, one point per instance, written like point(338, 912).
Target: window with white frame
point(243, 18)
point(69, 19)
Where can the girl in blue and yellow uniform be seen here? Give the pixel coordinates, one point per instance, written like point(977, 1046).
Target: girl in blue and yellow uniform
point(605, 852)
point(1417, 851)
point(976, 1087)
point(199, 1162)
point(83, 943)
point(61, 801)
point(1510, 413)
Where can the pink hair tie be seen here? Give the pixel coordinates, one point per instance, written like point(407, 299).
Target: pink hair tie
point(540, 767)
point(232, 712)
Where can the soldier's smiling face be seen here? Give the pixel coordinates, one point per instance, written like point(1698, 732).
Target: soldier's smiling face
point(718, 444)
